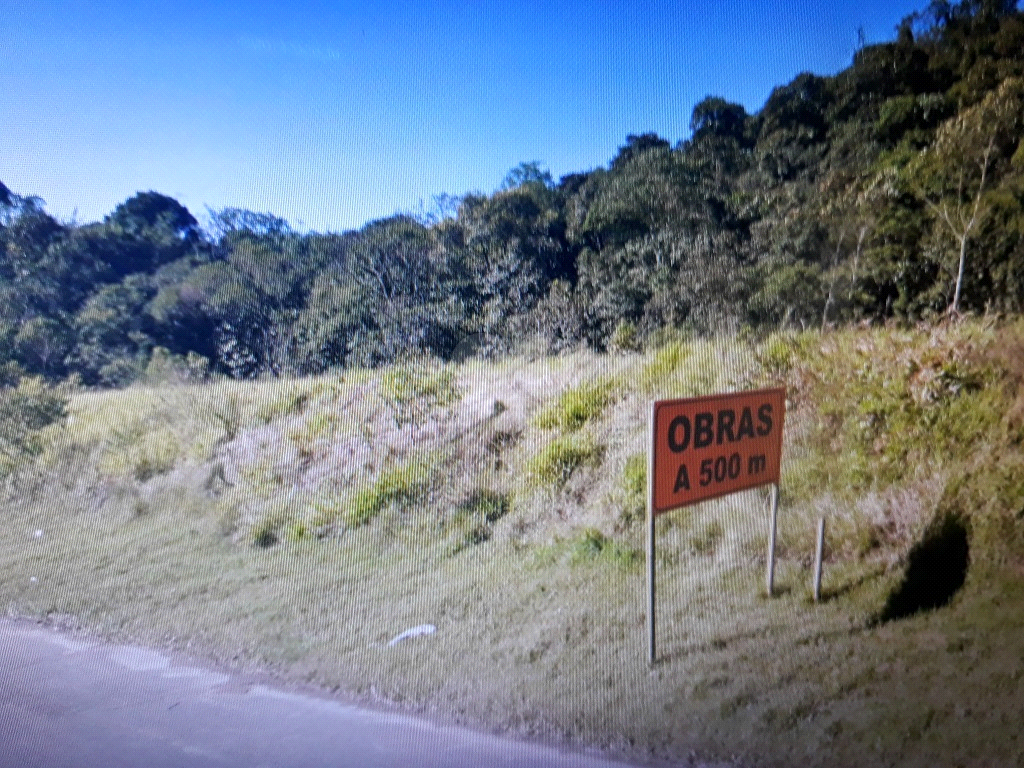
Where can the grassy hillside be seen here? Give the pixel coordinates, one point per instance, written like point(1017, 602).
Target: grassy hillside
point(302, 524)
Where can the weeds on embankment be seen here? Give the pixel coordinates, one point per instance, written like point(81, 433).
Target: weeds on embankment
point(302, 524)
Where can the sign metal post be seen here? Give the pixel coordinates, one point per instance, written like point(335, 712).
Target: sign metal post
point(818, 554)
point(772, 531)
point(651, 619)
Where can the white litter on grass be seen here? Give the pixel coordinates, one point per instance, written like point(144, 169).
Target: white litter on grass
point(39, 533)
point(422, 629)
point(33, 579)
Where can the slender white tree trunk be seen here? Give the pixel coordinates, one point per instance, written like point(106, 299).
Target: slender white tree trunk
point(963, 231)
point(955, 309)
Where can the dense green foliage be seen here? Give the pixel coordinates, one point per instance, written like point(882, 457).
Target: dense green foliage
point(892, 189)
point(26, 409)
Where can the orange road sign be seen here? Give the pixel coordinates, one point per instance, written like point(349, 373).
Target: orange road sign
point(705, 447)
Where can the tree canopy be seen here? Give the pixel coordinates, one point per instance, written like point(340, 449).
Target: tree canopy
point(891, 190)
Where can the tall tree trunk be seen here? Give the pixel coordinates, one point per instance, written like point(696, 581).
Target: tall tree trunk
point(832, 283)
point(955, 309)
point(856, 260)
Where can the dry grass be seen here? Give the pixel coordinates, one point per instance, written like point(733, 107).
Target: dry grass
point(303, 524)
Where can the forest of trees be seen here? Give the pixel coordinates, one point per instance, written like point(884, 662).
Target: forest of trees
point(894, 189)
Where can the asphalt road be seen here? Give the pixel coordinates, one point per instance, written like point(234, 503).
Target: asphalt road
point(71, 702)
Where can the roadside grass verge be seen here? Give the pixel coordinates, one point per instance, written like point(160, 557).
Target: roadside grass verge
point(301, 525)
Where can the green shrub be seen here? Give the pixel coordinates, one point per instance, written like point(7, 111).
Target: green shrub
point(556, 462)
point(121, 372)
point(891, 406)
point(578, 405)
point(594, 545)
point(665, 361)
point(142, 453)
point(485, 504)
point(633, 498)
point(164, 367)
point(405, 484)
point(781, 353)
point(470, 536)
point(472, 521)
point(625, 338)
point(412, 391)
point(197, 367)
point(297, 531)
point(10, 374)
point(26, 409)
point(776, 355)
point(634, 475)
point(156, 456)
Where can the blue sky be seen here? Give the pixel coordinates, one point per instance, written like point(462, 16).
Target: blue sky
point(333, 114)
